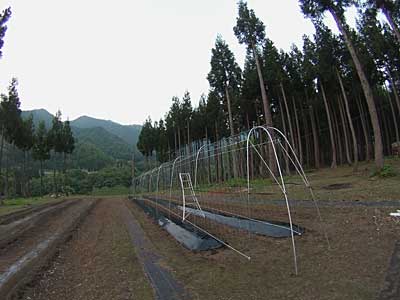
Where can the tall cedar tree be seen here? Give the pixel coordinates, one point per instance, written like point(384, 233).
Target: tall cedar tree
point(388, 8)
point(41, 149)
point(315, 9)
point(68, 142)
point(55, 138)
point(225, 76)
point(10, 114)
point(24, 141)
point(4, 16)
point(250, 31)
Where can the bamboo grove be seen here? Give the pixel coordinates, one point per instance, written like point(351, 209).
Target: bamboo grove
point(336, 98)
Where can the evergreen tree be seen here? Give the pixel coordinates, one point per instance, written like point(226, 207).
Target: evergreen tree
point(41, 149)
point(68, 141)
point(24, 141)
point(56, 142)
point(4, 17)
point(315, 9)
point(225, 76)
point(389, 8)
point(10, 114)
point(251, 31)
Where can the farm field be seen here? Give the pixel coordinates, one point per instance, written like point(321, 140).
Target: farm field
point(108, 248)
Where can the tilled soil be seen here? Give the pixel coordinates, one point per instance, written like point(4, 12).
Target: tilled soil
point(43, 229)
point(362, 239)
point(98, 262)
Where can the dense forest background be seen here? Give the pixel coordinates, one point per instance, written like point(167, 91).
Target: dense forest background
point(336, 98)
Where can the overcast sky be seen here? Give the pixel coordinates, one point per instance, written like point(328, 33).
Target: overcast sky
point(123, 60)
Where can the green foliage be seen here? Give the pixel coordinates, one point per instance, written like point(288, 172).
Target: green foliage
point(109, 144)
point(88, 156)
point(111, 191)
point(386, 172)
point(225, 72)
point(55, 135)
point(249, 29)
point(24, 138)
point(147, 139)
point(128, 133)
point(108, 180)
point(68, 139)
point(10, 112)
point(4, 17)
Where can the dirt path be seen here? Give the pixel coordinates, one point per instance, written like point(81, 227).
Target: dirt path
point(98, 262)
point(391, 289)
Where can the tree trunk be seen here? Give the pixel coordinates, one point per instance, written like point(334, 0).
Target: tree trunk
point(315, 138)
point(386, 131)
point(396, 94)
point(208, 157)
point(306, 135)
point(396, 128)
point(336, 132)
point(365, 131)
point(216, 153)
point(346, 140)
point(1, 150)
point(289, 118)
point(353, 133)
point(367, 93)
point(6, 190)
point(232, 130)
point(23, 177)
point(298, 132)
point(333, 146)
point(41, 178)
point(179, 140)
point(391, 22)
point(286, 145)
point(267, 111)
point(55, 180)
point(175, 143)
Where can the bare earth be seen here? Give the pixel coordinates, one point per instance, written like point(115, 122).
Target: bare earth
point(118, 252)
point(98, 262)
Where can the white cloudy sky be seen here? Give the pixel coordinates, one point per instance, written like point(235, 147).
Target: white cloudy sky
point(123, 60)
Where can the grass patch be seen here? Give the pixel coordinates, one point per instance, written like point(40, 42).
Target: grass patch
point(111, 191)
point(386, 172)
point(12, 205)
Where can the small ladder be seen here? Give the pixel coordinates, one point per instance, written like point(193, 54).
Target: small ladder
point(188, 196)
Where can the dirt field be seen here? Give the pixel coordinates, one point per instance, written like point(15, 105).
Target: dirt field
point(98, 262)
point(110, 249)
point(362, 241)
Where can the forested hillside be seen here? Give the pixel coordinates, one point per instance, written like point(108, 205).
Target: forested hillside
point(106, 140)
point(129, 133)
point(97, 157)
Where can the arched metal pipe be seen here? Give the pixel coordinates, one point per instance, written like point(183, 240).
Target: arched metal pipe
point(282, 185)
point(195, 169)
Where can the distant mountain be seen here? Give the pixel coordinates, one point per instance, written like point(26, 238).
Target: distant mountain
point(108, 143)
point(112, 139)
point(39, 115)
point(129, 133)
